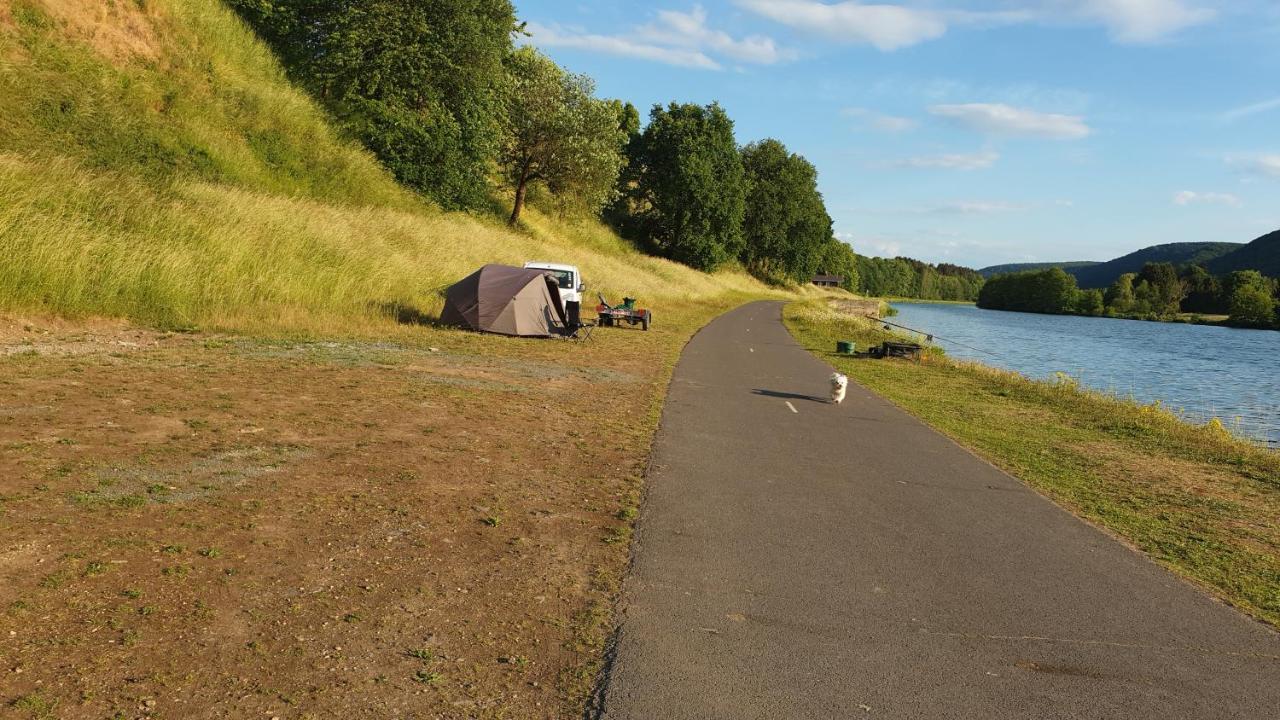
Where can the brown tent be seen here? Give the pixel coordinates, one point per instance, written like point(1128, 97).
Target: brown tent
point(506, 300)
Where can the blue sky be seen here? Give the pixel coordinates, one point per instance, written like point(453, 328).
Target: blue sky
point(974, 131)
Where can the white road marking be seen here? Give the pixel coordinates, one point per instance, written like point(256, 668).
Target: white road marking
point(793, 407)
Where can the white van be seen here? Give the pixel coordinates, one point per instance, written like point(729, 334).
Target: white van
point(567, 277)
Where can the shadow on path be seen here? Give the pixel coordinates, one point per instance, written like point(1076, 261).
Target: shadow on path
point(791, 396)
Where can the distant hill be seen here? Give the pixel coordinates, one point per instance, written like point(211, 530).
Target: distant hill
point(1203, 253)
point(992, 271)
point(1262, 255)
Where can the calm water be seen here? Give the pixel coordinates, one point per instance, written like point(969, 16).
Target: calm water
point(1199, 370)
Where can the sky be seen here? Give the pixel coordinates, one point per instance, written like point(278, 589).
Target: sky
point(975, 132)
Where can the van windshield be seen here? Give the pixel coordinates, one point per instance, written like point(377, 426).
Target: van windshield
point(564, 278)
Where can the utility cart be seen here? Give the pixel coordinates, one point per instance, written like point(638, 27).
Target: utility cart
point(627, 312)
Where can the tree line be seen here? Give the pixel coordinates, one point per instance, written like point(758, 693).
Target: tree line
point(442, 94)
point(905, 277)
point(1160, 291)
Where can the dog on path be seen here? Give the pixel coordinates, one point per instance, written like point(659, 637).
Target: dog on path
point(839, 384)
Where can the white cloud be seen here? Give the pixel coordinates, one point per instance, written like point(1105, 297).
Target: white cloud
point(690, 29)
point(1259, 164)
point(892, 26)
point(976, 207)
point(950, 161)
point(999, 119)
point(674, 38)
point(877, 121)
point(872, 245)
point(545, 36)
point(885, 27)
point(1188, 197)
point(1144, 21)
point(1247, 110)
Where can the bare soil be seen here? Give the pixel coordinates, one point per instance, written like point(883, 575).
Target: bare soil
point(427, 526)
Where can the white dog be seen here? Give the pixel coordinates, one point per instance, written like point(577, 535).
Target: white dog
point(839, 383)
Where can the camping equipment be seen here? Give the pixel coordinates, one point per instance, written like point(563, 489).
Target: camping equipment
point(627, 312)
point(508, 301)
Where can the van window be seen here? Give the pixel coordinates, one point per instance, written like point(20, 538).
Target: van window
point(564, 278)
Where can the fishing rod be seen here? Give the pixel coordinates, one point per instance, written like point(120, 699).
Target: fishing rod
point(930, 337)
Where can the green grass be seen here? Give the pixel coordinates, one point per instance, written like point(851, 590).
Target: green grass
point(1194, 498)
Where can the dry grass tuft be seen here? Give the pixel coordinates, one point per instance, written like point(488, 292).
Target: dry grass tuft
point(120, 31)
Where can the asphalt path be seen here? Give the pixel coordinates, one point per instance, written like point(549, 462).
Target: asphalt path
point(798, 559)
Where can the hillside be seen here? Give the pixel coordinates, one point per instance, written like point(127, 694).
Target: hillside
point(993, 270)
point(1263, 255)
point(1104, 274)
point(157, 165)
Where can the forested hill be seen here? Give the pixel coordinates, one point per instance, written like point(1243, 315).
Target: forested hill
point(1263, 255)
point(993, 270)
point(1104, 274)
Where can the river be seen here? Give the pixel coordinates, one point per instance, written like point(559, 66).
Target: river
point(1200, 371)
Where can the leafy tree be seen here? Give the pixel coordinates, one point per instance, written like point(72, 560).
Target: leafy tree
point(418, 81)
point(837, 258)
point(785, 225)
point(1251, 303)
point(1164, 292)
point(1204, 292)
point(1090, 302)
point(559, 134)
point(1120, 298)
point(686, 192)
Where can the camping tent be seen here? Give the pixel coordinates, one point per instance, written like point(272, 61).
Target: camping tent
point(506, 300)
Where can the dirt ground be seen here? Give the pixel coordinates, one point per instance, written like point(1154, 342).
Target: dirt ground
point(431, 526)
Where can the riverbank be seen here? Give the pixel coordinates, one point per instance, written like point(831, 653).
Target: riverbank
point(1196, 499)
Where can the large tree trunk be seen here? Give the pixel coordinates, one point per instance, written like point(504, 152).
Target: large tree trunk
point(519, 204)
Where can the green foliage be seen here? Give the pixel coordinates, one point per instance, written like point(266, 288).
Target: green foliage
point(905, 277)
point(785, 227)
point(1120, 297)
point(418, 81)
point(837, 258)
point(559, 135)
point(1251, 303)
point(1040, 291)
point(685, 193)
point(1089, 302)
point(1159, 291)
point(1204, 292)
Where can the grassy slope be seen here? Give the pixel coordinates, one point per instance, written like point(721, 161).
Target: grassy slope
point(1195, 499)
point(157, 165)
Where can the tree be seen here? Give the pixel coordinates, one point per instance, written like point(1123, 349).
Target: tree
point(837, 258)
point(1120, 298)
point(785, 224)
point(1090, 302)
point(419, 82)
point(558, 134)
point(686, 192)
point(1164, 291)
point(1251, 304)
point(1203, 290)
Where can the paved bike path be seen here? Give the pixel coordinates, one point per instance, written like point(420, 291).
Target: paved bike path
point(797, 559)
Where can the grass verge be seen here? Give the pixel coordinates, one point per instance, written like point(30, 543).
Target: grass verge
point(1194, 498)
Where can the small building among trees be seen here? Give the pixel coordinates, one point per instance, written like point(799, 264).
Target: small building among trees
point(828, 280)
